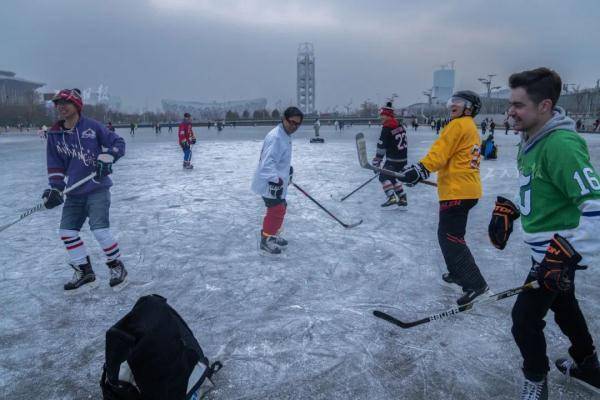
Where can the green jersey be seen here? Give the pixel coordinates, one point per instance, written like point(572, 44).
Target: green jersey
point(558, 188)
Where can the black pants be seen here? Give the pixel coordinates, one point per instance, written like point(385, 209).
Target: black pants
point(273, 202)
point(528, 326)
point(451, 236)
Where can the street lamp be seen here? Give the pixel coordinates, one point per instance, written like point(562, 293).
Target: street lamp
point(488, 84)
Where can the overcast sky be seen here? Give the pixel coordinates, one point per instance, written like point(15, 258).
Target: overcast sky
point(205, 50)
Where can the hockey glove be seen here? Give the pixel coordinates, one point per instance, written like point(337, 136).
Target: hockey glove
point(276, 189)
point(501, 224)
point(52, 198)
point(414, 174)
point(193, 140)
point(376, 162)
point(556, 272)
point(291, 175)
point(104, 164)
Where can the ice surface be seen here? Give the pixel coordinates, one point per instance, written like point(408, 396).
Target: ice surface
point(296, 327)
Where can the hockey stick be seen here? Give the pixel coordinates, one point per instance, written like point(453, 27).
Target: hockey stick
point(41, 206)
point(361, 148)
point(358, 188)
point(326, 210)
point(455, 310)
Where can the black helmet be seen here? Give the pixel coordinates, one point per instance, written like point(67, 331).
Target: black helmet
point(474, 102)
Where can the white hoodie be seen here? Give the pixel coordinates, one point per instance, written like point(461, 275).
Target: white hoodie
point(274, 163)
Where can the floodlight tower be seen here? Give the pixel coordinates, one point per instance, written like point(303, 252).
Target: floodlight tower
point(305, 89)
point(488, 84)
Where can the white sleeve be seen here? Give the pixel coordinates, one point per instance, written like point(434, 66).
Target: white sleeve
point(269, 157)
point(586, 237)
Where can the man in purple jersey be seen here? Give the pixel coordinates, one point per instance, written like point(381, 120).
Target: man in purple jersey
point(78, 146)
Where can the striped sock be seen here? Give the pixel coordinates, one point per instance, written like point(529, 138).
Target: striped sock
point(74, 245)
point(108, 243)
point(388, 188)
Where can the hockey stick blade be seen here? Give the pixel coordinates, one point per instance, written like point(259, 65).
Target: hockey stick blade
point(354, 225)
point(361, 149)
point(455, 310)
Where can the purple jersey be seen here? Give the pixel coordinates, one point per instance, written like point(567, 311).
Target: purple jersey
point(72, 154)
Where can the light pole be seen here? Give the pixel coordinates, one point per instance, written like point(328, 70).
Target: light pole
point(488, 84)
point(429, 96)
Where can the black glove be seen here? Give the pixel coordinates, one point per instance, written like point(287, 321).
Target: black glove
point(52, 198)
point(193, 140)
point(276, 189)
point(501, 224)
point(414, 174)
point(556, 272)
point(291, 175)
point(104, 164)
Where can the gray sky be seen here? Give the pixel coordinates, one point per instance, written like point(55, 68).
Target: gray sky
point(205, 50)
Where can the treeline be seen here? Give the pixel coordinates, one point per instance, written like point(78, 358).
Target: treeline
point(36, 115)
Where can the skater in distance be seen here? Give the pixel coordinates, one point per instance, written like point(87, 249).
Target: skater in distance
point(186, 140)
point(392, 146)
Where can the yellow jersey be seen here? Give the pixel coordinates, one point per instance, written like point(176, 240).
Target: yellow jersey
point(455, 156)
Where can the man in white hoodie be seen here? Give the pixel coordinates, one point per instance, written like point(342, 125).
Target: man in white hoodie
point(272, 177)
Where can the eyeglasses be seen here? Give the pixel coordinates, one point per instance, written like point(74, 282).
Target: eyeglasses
point(293, 123)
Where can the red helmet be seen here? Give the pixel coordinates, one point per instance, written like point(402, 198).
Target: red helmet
point(71, 95)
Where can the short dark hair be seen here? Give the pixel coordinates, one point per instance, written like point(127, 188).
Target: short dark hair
point(293, 112)
point(540, 84)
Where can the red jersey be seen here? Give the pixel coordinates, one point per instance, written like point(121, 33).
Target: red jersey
point(186, 134)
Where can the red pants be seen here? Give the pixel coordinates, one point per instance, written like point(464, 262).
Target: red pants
point(274, 216)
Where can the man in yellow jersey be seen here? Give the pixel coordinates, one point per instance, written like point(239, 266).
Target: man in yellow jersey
point(455, 156)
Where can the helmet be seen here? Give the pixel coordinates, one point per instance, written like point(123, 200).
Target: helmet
point(473, 102)
point(187, 115)
point(70, 95)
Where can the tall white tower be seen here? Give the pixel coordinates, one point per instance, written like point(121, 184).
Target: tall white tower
point(443, 82)
point(305, 89)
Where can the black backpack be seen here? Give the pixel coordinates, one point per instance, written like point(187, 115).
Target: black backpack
point(155, 347)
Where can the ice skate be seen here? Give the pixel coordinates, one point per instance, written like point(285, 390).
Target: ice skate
point(392, 200)
point(268, 245)
point(471, 295)
point(587, 373)
point(118, 275)
point(83, 278)
point(535, 390)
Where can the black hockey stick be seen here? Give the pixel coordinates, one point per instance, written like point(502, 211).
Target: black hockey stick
point(361, 148)
point(456, 310)
point(326, 210)
point(358, 188)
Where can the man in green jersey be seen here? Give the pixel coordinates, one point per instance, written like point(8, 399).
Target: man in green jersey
point(559, 202)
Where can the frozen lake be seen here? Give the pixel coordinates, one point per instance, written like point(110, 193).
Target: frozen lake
point(295, 327)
